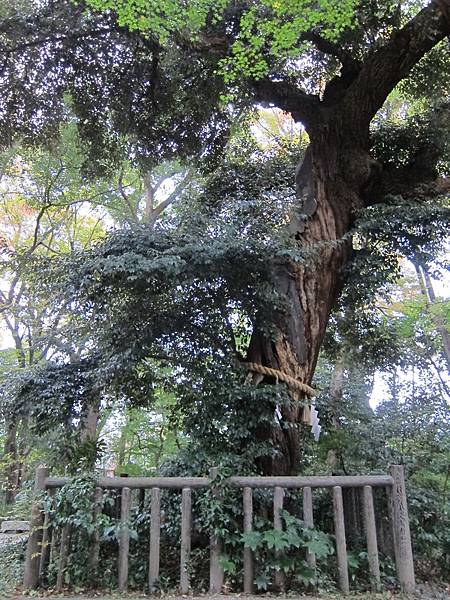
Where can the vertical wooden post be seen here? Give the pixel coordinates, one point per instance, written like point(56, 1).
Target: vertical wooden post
point(155, 530)
point(278, 495)
point(33, 555)
point(215, 545)
point(53, 546)
point(386, 528)
point(341, 545)
point(47, 538)
point(124, 539)
point(94, 551)
point(371, 536)
point(402, 536)
point(186, 510)
point(309, 522)
point(63, 554)
point(248, 554)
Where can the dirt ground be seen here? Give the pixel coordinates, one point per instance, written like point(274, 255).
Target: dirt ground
point(117, 596)
point(425, 591)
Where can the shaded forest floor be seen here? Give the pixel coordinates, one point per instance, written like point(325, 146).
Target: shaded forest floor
point(424, 593)
point(116, 596)
point(11, 573)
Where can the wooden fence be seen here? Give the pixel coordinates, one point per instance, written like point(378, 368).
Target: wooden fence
point(37, 556)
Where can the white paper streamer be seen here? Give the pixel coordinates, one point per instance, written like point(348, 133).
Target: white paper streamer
point(315, 427)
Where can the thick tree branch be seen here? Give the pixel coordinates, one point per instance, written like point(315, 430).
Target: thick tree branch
point(386, 67)
point(288, 97)
point(161, 207)
point(348, 61)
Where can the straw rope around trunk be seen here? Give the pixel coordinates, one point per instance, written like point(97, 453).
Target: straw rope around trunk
point(293, 383)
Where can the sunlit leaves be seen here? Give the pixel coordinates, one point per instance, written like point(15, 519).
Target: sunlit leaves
point(162, 19)
point(274, 28)
point(271, 27)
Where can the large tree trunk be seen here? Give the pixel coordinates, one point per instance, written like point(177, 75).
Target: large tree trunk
point(88, 425)
point(330, 181)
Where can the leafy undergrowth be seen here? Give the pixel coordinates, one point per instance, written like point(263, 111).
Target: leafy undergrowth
point(12, 557)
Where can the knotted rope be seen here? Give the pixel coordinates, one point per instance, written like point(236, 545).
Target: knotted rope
point(293, 383)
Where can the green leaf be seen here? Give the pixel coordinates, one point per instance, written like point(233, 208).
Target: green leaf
point(252, 539)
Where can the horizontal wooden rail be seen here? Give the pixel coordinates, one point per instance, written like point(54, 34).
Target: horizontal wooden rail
point(138, 482)
point(239, 482)
point(312, 482)
point(42, 536)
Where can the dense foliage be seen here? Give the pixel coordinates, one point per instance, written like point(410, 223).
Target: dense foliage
point(154, 238)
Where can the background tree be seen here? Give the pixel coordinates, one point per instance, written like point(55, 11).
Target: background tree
point(41, 216)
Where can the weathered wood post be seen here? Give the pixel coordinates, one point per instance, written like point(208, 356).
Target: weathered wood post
point(248, 554)
point(308, 517)
point(278, 496)
point(371, 536)
point(63, 554)
point(401, 533)
point(94, 551)
point(185, 551)
point(341, 544)
point(215, 544)
point(34, 546)
point(124, 539)
point(47, 538)
point(155, 532)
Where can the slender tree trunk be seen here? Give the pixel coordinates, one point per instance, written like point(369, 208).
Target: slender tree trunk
point(426, 286)
point(149, 196)
point(337, 378)
point(88, 428)
point(89, 423)
point(12, 466)
point(122, 444)
point(334, 458)
point(12, 471)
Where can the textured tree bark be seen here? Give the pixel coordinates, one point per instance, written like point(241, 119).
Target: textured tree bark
point(88, 425)
point(330, 186)
point(332, 182)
